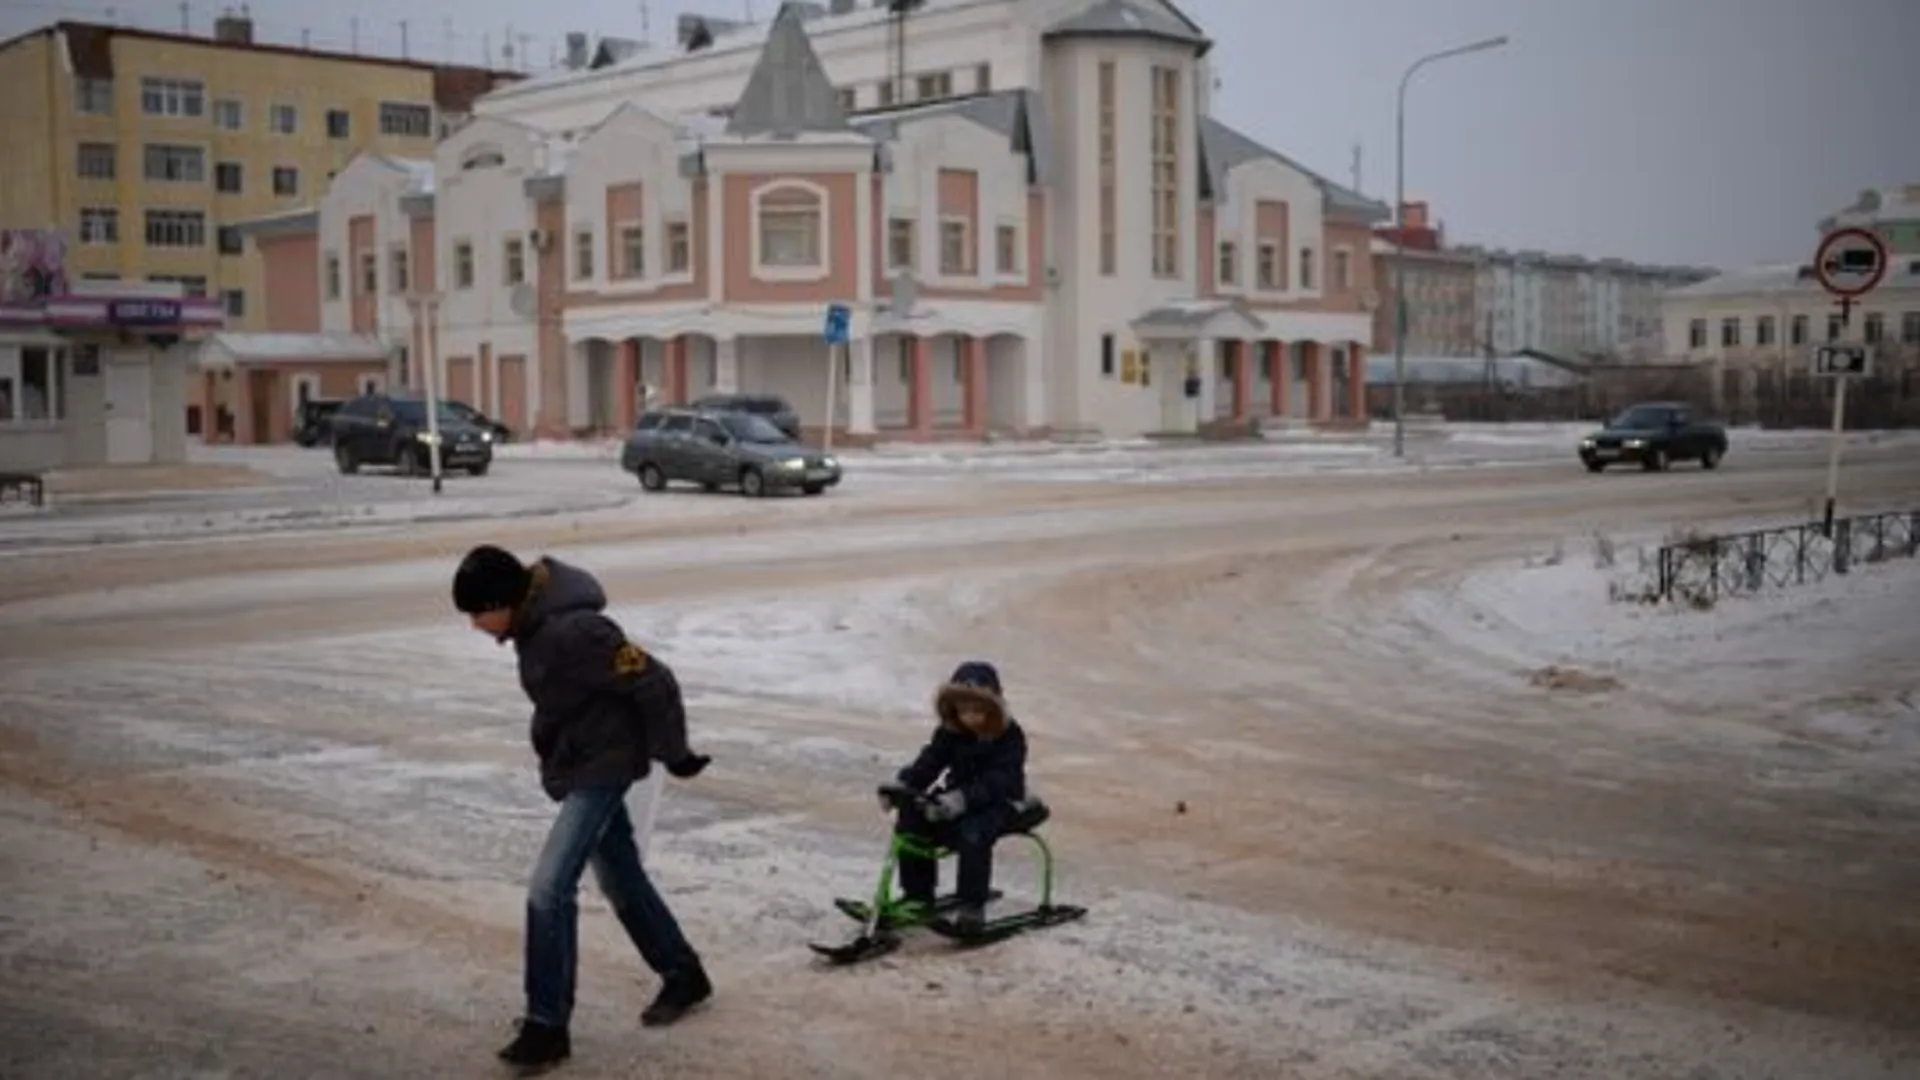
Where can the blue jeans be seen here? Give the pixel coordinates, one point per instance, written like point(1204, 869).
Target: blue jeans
point(592, 828)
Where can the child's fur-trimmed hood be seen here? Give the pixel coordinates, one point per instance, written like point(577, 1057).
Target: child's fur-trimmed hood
point(972, 683)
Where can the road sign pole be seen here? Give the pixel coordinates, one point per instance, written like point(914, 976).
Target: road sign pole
point(1849, 263)
point(833, 378)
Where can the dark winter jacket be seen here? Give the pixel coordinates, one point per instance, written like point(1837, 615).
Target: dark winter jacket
point(990, 768)
point(602, 706)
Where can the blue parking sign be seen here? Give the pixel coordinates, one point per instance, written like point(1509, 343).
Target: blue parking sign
point(838, 320)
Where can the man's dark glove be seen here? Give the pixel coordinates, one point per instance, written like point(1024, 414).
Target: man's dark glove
point(690, 766)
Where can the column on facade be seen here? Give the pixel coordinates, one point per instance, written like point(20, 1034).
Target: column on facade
point(1356, 382)
point(860, 386)
point(626, 383)
point(1206, 364)
point(726, 365)
point(1278, 376)
point(973, 378)
point(1313, 356)
point(676, 379)
point(1244, 355)
point(920, 387)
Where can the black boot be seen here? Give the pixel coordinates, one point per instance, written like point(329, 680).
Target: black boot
point(969, 920)
point(683, 990)
point(538, 1046)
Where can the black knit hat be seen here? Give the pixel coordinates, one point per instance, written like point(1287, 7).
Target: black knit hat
point(489, 579)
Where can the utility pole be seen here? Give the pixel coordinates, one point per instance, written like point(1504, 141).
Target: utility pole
point(353, 28)
point(186, 17)
point(403, 40)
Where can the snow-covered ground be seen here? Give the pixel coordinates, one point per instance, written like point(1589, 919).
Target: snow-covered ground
point(1333, 815)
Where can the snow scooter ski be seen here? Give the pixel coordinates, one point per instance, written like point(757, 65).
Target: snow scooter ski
point(886, 914)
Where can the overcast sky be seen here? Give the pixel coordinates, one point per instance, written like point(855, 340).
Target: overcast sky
point(1687, 131)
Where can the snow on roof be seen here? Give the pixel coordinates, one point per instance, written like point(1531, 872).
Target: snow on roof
point(1770, 278)
point(273, 348)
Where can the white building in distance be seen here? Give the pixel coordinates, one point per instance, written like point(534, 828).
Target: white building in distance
point(1035, 221)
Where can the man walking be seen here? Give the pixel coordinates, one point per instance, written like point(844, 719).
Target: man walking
point(602, 710)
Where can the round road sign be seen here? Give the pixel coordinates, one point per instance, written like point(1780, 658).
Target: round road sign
point(1850, 262)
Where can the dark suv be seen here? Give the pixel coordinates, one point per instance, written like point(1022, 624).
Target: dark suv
point(1654, 436)
point(717, 449)
point(772, 406)
point(392, 429)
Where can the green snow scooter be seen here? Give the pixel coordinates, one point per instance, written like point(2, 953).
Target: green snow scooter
point(887, 913)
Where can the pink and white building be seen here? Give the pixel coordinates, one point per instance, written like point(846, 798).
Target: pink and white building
point(1026, 205)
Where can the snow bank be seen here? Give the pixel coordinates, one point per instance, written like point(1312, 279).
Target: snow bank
point(1830, 660)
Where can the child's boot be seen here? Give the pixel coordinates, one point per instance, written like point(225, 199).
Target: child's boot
point(681, 991)
point(969, 920)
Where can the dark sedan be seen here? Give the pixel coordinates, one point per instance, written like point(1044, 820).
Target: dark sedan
point(1654, 436)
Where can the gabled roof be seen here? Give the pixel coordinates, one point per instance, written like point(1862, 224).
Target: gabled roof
point(1132, 18)
point(788, 94)
point(1004, 112)
point(1222, 148)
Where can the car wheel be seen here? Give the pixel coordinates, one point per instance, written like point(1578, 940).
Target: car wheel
point(1711, 458)
point(344, 460)
point(1596, 466)
point(814, 489)
point(1657, 461)
point(652, 478)
point(752, 484)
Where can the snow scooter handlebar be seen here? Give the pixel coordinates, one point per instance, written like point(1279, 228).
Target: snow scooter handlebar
point(900, 797)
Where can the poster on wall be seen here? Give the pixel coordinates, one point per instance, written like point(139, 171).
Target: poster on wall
point(33, 265)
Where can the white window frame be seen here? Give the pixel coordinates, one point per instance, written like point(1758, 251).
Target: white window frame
point(1017, 269)
point(586, 255)
point(909, 226)
point(279, 109)
point(399, 269)
point(206, 164)
point(1226, 265)
point(104, 220)
point(1308, 273)
point(1267, 253)
point(969, 248)
point(1340, 274)
point(12, 378)
point(366, 276)
point(92, 97)
point(464, 269)
point(179, 99)
point(626, 249)
point(230, 108)
point(513, 260)
point(391, 114)
point(822, 267)
point(273, 181)
point(668, 271)
point(81, 157)
point(184, 218)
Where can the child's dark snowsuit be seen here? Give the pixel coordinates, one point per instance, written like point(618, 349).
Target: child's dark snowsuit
point(987, 771)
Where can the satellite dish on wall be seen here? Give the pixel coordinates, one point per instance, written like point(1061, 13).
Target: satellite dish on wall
point(524, 301)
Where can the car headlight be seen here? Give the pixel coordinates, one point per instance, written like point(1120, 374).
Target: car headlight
point(427, 437)
point(829, 463)
point(486, 436)
point(1586, 444)
point(794, 463)
point(1636, 444)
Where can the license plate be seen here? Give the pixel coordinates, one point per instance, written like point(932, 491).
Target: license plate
point(819, 474)
point(1604, 454)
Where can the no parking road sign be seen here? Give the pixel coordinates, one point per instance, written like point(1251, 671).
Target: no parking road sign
point(1850, 263)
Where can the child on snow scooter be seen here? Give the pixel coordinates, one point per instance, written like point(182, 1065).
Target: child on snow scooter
point(982, 752)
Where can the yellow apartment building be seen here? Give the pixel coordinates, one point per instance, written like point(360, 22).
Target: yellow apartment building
point(146, 148)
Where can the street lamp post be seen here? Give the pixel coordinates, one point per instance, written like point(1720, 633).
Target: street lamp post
point(1400, 236)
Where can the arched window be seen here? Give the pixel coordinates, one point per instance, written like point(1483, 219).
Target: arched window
point(790, 223)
